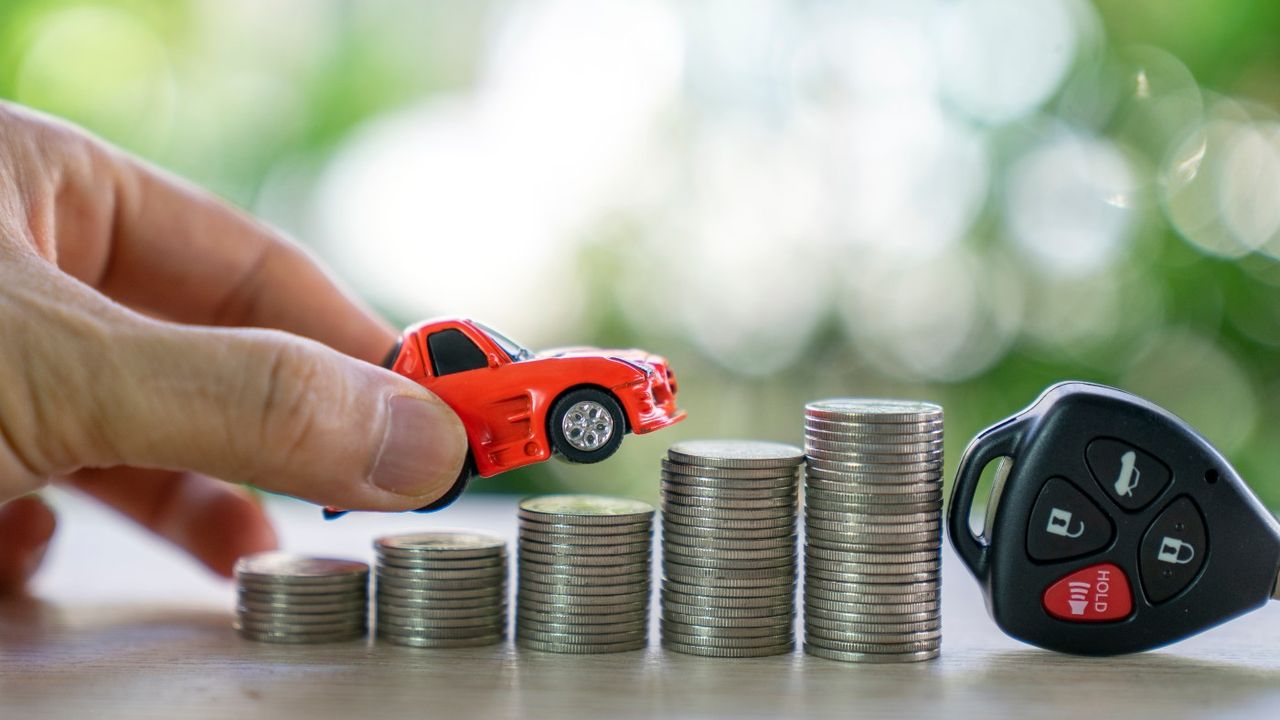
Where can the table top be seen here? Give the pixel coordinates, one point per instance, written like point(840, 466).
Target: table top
point(121, 626)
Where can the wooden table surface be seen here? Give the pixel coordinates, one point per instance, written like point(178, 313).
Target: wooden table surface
point(120, 626)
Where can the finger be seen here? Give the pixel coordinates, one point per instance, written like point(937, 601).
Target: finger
point(26, 527)
point(158, 244)
point(268, 409)
point(213, 521)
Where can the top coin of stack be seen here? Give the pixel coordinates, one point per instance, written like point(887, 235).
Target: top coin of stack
point(439, 589)
point(584, 574)
point(729, 545)
point(293, 599)
point(873, 507)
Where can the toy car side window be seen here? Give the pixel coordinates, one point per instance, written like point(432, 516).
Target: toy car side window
point(453, 352)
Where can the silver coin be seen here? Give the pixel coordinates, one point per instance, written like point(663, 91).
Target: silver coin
point(453, 544)
point(780, 649)
point(880, 433)
point(558, 560)
point(291, 639)
point(676, 586)
point(877, 618)
point(524, 607)
point(852, 497)
point(779, 564)
point(288, 620)
point(689, 534)
point(876, 472)
point(526, 633)
point(411, 640)
point(818, 542)
point(436, 564)
point(728, 623)
point(672, 486)
point(533, 586)
point(277, 627)
point(776, 583)
point(829, 654)
point(817, 588)
point(777, 629)
point(870, 531)
point(825, 634)
point(835, 624)
point(696, 504)
point(731, 542)
point(725, 642)
point(559, 631)
point(753, 454)
point(673, 510)
point(445, 593)
point(882, 409)
point(463, 626)
point(568, 598)
point(844, 457)
point(287, 568)
point(534, 568)
point(583, 648)
point(730, 477)
point(834, 558)
point(855, 518)
point(853, 572)
point(586, 544)
point(874, 441)
point(778, 603)
point(872, 589)
point(445, 576)
point(442, 613)
point(760, 525)
point(677, 551)
point(532, 615)
point(350, 596)
point(305, 609)
point(699, 574)
point(718, 612)
point(866, 536)
point(870, 647)
point(560, 578)
point(854, 607)
point(570, 532)
point(886, 493)
point(405, 583)
point(585, 509)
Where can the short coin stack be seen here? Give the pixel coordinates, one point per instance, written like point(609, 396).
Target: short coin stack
point(287, 598)
point(442, 589)
point(584, 566)
point(873, 507)
point(729, 547)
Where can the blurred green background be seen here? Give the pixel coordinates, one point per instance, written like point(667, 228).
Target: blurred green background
point(962, 201)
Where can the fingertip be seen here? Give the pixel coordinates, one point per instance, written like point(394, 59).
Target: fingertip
point(422, 451)
point(27, 525)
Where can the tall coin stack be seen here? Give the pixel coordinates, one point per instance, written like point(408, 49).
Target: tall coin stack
point(873, 509)
point(729, 547)
point(442, 589)
point(584, 574)
point(287, 598)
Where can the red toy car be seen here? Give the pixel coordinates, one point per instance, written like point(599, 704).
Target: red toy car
point(519, 407)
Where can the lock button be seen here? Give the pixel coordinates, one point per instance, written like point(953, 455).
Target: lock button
point(1173, 550)
point(1065, 523)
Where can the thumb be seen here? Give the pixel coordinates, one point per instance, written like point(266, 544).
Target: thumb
point(277, 411)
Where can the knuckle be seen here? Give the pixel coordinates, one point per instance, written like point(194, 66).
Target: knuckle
point(287, 400)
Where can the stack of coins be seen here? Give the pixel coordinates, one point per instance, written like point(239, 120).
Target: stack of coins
point(442, 589)
point(291, 599)
point(873, 508)
point(584, 574)
point(729, 547)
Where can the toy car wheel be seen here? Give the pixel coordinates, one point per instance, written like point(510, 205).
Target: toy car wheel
point(586, 425)
point(455, 491)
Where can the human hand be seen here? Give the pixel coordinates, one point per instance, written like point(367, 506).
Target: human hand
point(115, 380)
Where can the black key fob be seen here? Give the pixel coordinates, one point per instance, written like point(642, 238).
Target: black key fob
point(1113, 527)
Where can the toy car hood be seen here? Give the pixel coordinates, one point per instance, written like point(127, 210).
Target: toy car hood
point(632, 355)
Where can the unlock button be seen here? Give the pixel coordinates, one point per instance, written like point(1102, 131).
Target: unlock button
point(1065, 523)
point(1173, 550)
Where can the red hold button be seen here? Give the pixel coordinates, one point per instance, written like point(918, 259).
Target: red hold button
point(1097, 593)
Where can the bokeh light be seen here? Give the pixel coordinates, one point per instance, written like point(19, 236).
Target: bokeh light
point(963, 200)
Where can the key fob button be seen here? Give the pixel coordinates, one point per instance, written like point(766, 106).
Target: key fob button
point(1173, 550)
point(1129, 475)
point(1065, 523)
point(1097, 593)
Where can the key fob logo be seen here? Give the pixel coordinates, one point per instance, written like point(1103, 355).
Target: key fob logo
point(1175, 551)
point(1060, 524)
point(1127, 480)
